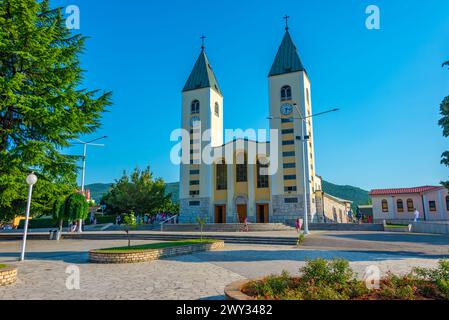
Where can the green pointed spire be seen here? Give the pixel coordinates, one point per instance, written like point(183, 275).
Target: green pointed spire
point(287, 59)
point(202, 75)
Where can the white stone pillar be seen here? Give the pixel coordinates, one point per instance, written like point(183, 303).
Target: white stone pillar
point(230, 216)
point(251, 195)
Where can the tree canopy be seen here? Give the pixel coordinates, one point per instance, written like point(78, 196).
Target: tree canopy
point(76, 207)
point(139, 192)
point(444, 123)
point(43, 104)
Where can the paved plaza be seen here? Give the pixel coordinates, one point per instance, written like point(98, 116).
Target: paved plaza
point(204, 275)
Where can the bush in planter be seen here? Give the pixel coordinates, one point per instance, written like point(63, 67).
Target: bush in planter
point(438, 276)
point(334, 280)
point(301, 239)
point(321, 280)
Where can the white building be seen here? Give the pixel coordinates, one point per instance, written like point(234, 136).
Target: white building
point(432, 202)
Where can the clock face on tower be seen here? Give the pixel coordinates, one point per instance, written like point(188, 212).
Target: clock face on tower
point(286, 109)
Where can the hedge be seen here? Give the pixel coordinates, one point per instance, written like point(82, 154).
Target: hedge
point(46, 223)
point(38, 223)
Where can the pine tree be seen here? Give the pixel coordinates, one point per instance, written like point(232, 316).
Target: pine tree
point(444, 123)
point(43, 104)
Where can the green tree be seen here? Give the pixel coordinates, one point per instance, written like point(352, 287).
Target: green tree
point(43, 104)
point(76, 208)
point(59, 211)
point(444, 123)
point(138, 192)
point(129, 223)
point(202, 221)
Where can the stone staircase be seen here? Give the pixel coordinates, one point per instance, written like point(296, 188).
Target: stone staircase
point(230, 227)
point(238, 238)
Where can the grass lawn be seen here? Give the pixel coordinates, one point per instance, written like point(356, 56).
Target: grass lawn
point(2, 266)
point(153, 246)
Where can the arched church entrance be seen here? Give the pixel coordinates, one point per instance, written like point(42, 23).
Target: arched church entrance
point(241, 205)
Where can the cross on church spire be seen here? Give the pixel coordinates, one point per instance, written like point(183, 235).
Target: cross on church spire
point(286, 22)
point(202, 41)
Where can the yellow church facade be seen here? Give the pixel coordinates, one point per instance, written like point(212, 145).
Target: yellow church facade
point(239, 182)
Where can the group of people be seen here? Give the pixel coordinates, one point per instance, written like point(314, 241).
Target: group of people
point(151, 219)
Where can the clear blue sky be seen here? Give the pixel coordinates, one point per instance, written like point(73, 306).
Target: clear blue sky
point(388, 83)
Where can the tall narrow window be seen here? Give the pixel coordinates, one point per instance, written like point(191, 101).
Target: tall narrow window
point(410, 205)
point(400, 204)
point(308, 96)
point(447, 203)
point(262, 175)
point(217, 109)
point(433, 206)
point(384, 205)
point(195, 107)
point(222, 175)
point(242, 168)
point(286, 93)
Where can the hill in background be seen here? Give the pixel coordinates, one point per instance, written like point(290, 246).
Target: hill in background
point(356, 195)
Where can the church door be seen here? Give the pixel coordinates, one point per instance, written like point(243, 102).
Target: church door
point(262, 213)
point(220, 214)
point(241, 211)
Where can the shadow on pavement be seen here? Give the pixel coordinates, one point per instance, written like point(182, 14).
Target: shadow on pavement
point(77, 257)
point(304, 255)
point(427, 239)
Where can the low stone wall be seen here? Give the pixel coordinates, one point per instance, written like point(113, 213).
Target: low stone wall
point(431, 227)
point(8, 276)
point(150, 255)
point(345, 227)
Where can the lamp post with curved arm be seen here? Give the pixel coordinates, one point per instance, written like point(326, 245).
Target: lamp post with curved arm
point(85, 144)
point(305, 138)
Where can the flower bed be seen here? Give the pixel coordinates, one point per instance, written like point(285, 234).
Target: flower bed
point(150, 252)
point(8, 275)
point(334, 280)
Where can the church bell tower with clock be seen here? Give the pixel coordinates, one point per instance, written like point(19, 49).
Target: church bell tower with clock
point(290, 102)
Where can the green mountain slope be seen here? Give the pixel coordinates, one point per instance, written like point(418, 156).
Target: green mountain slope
point(354, 194)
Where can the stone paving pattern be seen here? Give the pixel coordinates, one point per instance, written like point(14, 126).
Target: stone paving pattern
point(203, 275)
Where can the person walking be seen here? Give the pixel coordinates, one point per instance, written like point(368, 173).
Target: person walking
point(416, 214)
point(298, 225)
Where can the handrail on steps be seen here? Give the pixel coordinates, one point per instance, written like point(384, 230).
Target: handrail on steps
point(166, 221)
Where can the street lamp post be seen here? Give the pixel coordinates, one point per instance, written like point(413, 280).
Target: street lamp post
point(31, 181)
point(305, 138)
point(83, 174)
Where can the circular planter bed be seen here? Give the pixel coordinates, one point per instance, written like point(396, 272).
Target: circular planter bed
point(8, 275)
point(334, 280)
point(150, 252)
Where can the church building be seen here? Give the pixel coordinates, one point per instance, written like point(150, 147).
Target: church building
point(238, 190)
